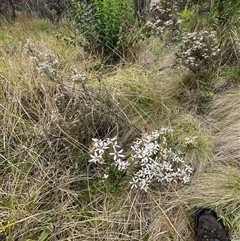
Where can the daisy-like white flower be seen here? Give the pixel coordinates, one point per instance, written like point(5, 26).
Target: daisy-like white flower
point(114, 139)
point(166, 166)
point(143, 184)
point(155, 134)
point(177, 159)
point(121, 165)
point(96, 158)
point(188, 169)
point(93, 158)
point(134, 182)
point(99, 143)
point(99, 146)
point(117, 154)
point(115, 145)
point(186, 179)
point(151, 148)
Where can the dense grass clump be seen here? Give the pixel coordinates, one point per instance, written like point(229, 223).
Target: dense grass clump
point(60, 105)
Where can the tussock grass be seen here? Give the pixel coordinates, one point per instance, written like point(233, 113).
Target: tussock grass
point(144, 95)
point(47, 185)
point(225, 116)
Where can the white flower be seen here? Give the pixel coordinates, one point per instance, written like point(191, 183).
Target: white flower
point(153, 159)
point(121, 165)
point(112, 141)
point(116, 154)
point(134, 182)
point(188, 169)
point(177, 159)
point(155, 134)
point(99, 145)
point(115, 145)
point(105, 176)
point(96, 158)
point(166, 166)
point(143, 184)
point(185, 179)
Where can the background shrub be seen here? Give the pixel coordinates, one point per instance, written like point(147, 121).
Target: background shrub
point(199, 52)
point(164, 15)
point(106, 25)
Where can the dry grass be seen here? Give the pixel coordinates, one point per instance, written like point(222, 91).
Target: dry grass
point(47, 186)
point(225, 119)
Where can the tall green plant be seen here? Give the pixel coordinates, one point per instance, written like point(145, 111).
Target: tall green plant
point(106, 24)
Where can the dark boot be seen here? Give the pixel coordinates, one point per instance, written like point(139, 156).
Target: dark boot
point(208, 227)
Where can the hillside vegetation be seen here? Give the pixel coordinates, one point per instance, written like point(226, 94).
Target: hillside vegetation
point(63, 96)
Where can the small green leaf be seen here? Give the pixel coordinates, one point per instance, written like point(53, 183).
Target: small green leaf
point(184, 14)
point(44, 235)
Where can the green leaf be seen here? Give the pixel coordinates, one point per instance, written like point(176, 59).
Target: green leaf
point(44, 235)
point(185, 13)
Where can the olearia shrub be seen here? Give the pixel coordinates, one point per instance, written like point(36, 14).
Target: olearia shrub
point(200, 52)
point(164, 16)
point(45, 64)
point(206, 35)
point(49, 66)
point(157, 157)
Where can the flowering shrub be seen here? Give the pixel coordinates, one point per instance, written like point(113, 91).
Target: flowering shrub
point(152, 158)
point(77, 76)
point(158, 161)
point(164, 15)
point(46, 65)
point(199, 52)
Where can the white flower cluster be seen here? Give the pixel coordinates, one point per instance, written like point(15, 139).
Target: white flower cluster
point(199, 50)
point(162, 12)
point(76, 76)
point(101, 153)
point(46, 65)
point(151, 156)
point(158, 162)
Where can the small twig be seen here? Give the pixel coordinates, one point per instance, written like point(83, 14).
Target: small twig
point(236, 208)
point(171, 66)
